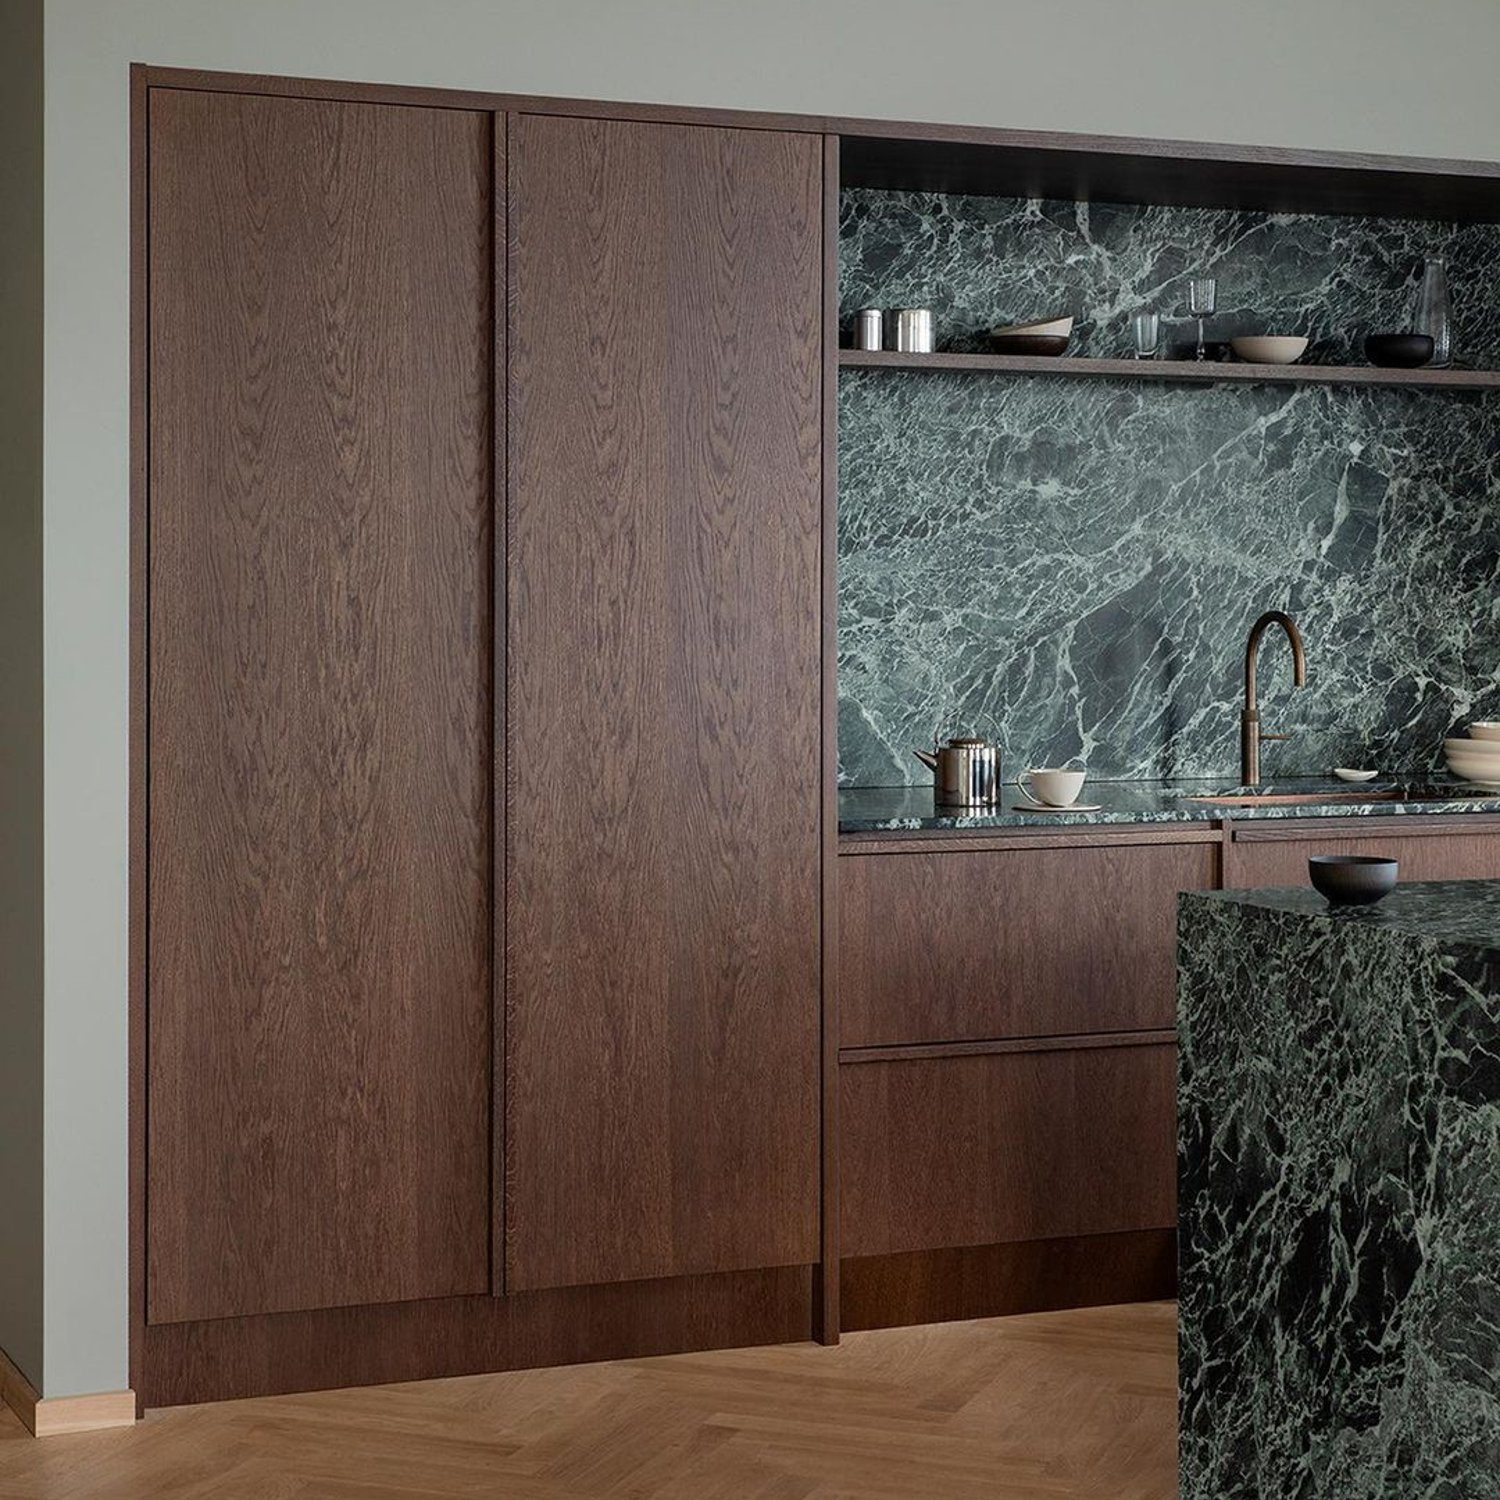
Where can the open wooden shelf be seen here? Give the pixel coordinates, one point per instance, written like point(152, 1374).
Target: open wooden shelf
point(1204, 372)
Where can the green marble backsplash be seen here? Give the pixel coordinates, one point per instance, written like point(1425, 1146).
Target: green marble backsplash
point(1073, 565)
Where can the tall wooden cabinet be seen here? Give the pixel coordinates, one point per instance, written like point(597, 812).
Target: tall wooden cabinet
point(320, 893)
point(663, 710)
point(479, 672)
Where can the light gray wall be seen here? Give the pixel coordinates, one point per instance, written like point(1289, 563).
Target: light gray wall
point(21, 686)
point(1293, 72)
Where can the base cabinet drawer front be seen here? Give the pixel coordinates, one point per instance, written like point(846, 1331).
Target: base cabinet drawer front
point(993, 944)
point(1260, 857)
point(1003, 1147)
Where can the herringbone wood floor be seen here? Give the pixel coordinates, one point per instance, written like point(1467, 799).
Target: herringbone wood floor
point(1054, 1404)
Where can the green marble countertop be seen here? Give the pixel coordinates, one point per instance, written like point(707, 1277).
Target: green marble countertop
point(1450, 913)
point(905, 809)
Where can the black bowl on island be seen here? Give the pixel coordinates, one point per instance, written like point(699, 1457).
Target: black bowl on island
point(1398, 351)
point(1352, 879)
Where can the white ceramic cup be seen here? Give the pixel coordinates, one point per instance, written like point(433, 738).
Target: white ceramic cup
point(1050, 786)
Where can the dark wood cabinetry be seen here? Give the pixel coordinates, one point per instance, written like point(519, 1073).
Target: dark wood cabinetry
point(1438, 848)
point(481, 942)
point(1012, 942)
point(483, 889)
point(1017, 1145)
point(320, 625)
point(1007, 1123)
point(665, 640)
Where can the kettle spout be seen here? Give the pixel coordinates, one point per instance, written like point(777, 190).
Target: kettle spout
point(927, 758)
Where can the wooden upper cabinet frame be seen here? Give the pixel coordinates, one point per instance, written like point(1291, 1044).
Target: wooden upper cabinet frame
point(1008, 163)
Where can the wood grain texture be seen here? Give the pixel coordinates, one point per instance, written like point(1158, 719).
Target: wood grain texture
point(926, 1051)
point(664, 701)
point(925, 156)
point(17, 1393)
point(499, 623)
point(1080, 836)
point(1059, 1406)
point(1028, 1276)
point(1453, 854)
point(345, 1346)
point(1020, 1146)
point(1406, 826)
point(320, 733)
point(1004, 943)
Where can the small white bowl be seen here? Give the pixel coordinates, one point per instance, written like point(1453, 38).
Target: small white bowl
point(1485, 729)
point(1049, 328)
point(1270, 348)
point(1346, 773)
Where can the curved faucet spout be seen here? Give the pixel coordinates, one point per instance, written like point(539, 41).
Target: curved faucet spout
point(1250, 734)
point(1252, 650)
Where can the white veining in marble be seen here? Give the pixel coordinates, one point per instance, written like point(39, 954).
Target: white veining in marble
point(1074, 565)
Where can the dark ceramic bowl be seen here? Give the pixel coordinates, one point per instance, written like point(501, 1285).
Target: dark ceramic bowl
point(1028, 343)
point(1398, 351)
point(1352, 879)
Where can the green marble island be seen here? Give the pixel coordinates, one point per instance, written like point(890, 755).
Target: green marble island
point(1339, 1183)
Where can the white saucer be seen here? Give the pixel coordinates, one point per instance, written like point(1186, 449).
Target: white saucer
point(1025, 805)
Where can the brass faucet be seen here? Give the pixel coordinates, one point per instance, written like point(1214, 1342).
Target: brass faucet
point(1250, 732)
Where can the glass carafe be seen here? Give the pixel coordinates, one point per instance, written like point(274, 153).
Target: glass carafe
point(1432, 317)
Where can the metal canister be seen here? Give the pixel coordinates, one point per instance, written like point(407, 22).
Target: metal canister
point(869, 323)
point(965, 772)
point(913, 330)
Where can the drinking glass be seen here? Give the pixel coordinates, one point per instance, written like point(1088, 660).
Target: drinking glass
point(1146, 326)
point(1203, 293)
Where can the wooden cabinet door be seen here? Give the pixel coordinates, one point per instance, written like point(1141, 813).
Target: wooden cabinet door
point(1447, 848)
point(663, 701)
point(320, 742)
point(972, 946)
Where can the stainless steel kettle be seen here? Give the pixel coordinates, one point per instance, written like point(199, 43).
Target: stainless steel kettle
point(965, 772)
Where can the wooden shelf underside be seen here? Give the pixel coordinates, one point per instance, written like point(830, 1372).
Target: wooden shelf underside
point(1190, 371)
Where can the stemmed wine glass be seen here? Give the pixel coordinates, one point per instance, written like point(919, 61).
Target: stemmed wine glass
point(1203, 293)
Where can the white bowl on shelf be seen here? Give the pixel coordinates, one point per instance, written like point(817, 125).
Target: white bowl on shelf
point(1269, 348)
point(1480, 769)
point(1348, 773)
point(1476, 749)
point(1485, 729)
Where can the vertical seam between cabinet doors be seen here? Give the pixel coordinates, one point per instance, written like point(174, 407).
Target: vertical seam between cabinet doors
point(505, 328)
point(826, 1304)
point(500, 686)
